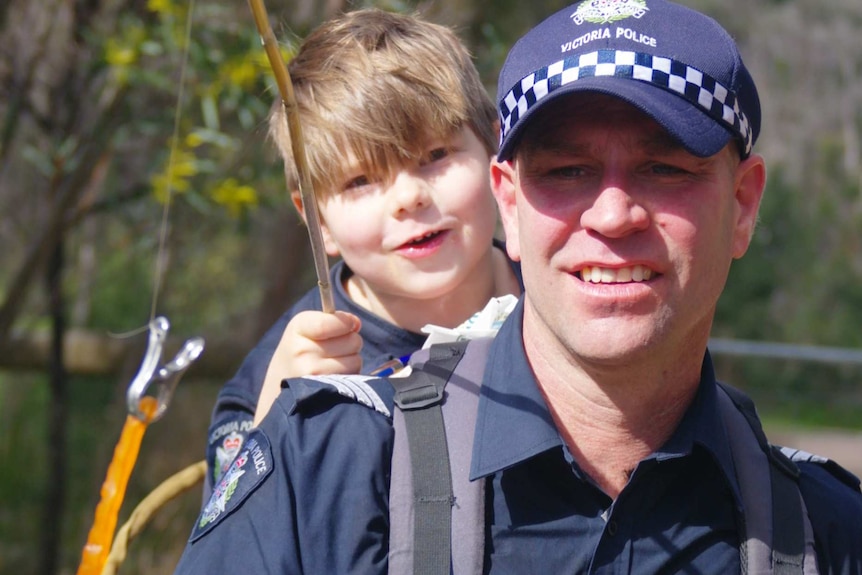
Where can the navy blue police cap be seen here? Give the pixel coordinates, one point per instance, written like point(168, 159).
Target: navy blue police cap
point(677, 65)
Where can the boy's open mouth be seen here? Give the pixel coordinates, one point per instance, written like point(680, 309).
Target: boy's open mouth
point(423, 240)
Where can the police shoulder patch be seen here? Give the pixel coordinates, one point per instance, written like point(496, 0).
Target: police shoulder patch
point(247, 471)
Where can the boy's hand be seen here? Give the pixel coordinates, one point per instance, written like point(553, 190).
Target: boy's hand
point(314, 343)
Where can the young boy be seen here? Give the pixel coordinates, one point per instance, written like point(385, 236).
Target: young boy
point(399, 135)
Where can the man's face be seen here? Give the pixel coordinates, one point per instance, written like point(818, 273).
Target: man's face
point(625, 238)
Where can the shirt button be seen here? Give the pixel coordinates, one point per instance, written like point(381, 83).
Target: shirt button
point(612, 528)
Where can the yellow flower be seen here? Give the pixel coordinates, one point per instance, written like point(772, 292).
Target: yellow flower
point(260, 60)
point(234, 196)
point(120, 54)
point(239, 72)
point(175, 177)
point(160, 6)
point(193, 140)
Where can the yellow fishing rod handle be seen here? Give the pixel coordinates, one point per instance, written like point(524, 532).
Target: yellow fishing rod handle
point(113, 491)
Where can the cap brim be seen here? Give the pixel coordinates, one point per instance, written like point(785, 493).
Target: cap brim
point(693, 128)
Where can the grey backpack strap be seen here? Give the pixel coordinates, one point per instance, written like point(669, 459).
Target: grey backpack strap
point(426, 535)
point(778, 537)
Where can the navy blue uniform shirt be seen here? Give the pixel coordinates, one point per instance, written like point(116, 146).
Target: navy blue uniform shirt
point(312, 496)
point(237, 400)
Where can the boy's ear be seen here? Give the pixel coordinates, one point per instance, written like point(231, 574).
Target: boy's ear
point(296, 198)
point(328, 241)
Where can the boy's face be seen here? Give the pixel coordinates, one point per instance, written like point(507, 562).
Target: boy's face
point(625, 238)
point(421, 235)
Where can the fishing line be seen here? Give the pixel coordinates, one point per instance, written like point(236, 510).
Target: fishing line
point(161, 254)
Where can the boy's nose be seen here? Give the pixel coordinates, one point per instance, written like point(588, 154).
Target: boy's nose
point(409, 193)
point(614, 213)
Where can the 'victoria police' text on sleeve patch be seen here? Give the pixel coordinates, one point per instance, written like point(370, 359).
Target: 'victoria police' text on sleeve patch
point(248, 470)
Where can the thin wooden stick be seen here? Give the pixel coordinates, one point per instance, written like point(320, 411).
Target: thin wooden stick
point(288, 100)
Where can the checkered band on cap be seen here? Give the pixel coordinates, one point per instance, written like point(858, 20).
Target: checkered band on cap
point(700, 89)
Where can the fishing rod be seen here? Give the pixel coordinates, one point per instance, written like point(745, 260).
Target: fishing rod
point(306, 191)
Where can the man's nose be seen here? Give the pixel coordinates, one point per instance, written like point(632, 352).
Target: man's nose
point(615, 213)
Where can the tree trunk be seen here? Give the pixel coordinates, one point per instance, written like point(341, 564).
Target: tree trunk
point(55, 492)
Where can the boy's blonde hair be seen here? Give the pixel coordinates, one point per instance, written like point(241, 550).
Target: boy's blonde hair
point(379, 85)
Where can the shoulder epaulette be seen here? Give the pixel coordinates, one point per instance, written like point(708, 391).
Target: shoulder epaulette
point(797, 455)
point(844, 476)
point(356, 388)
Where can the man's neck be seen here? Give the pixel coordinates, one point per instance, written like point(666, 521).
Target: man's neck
point(611, 419)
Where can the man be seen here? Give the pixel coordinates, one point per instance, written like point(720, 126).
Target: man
point(627, 185)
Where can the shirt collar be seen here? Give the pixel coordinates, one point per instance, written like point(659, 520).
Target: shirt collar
point(703, 425)
point(514, 423)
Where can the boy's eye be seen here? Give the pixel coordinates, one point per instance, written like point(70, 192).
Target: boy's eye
point(438, 154)
point(435, 155)
point(357, 182)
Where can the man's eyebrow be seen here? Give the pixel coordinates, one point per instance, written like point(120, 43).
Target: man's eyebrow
point(661, 142)
point(556, 146)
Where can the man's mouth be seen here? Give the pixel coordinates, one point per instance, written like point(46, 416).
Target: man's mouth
point(598, 275)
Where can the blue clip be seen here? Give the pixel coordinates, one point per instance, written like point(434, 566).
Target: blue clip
point(391, 366)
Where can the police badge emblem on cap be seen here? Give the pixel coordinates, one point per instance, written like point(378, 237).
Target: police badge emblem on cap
point(606, 11)
point(678, 66)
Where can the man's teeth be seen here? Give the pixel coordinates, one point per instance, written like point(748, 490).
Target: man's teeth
point(599, 275)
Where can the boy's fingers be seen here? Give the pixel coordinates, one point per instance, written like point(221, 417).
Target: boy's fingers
point(335, 347)
point(352, 322)
point(322, 326)
point(332, 365)
point(338, 355)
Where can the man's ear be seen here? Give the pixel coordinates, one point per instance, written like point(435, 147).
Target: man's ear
point(749, 181)
point(503, 178)
point(328, 241)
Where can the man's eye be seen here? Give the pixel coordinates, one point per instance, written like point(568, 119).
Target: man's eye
point(666, 169)
point(567, 171)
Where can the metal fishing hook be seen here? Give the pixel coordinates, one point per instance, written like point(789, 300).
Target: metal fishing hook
point(163, 378)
